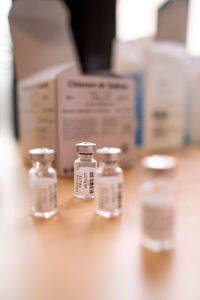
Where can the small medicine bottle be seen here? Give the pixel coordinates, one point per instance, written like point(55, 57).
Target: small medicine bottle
point(158, 203)
point(84, 171)
point(43, 183)
point(109, 183)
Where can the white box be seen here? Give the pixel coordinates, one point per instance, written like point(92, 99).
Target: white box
point(160, 71)
point(165, 97)
point(57, 109)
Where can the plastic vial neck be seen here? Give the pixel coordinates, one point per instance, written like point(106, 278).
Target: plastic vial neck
point(109, 165)
point(41, 165)
point(85, 156)
point(160, 176)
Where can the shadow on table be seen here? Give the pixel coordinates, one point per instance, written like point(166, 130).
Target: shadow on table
point(156, 266)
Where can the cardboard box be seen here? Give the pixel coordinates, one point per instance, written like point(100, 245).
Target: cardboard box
point(160, 72)
point(57, 109)
point(172, 21)
point(41, 35)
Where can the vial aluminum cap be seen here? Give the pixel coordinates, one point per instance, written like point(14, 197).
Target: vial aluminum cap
point(42, 154)
point(85, 148)
point(108, 154)
point(159, 163)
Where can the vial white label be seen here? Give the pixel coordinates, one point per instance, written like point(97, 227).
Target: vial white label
point(85, 179)
point(44, 194)
point(157, 220)
point(109, 193)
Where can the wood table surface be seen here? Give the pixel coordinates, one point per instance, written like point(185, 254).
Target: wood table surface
point(79, 255)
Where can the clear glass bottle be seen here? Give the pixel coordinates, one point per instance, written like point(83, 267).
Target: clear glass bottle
point(84, 171)
point(43, 183)
point(109, 183)
point(158, 203)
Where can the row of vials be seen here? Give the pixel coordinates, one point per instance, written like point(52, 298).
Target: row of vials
point(104, 183)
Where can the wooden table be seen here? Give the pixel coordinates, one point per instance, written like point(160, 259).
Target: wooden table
point(79, 255)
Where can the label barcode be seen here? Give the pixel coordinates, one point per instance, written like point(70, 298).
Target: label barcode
point(91, 182)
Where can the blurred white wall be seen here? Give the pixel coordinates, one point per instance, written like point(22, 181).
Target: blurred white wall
point(6, 68)
point(193, 34)
point(137, 18)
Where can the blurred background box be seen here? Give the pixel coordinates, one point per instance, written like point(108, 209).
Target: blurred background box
point(93, 27)
point(41, 35)
point(58, 109)
point(161, 73)
point(37, 109)
point(172, 21)
point(194, 105)
point(166, 97)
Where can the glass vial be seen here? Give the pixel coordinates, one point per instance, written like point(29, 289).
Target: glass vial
point(158, 203)
point(43, 183)
point(84, 171)
point(109, 183)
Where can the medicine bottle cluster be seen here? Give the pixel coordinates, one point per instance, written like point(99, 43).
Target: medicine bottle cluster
point(103, 182)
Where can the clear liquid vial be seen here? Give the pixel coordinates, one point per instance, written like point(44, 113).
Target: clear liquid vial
point(84, 171)
point(158, 203)
point(43, 183)
point(109, 183)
